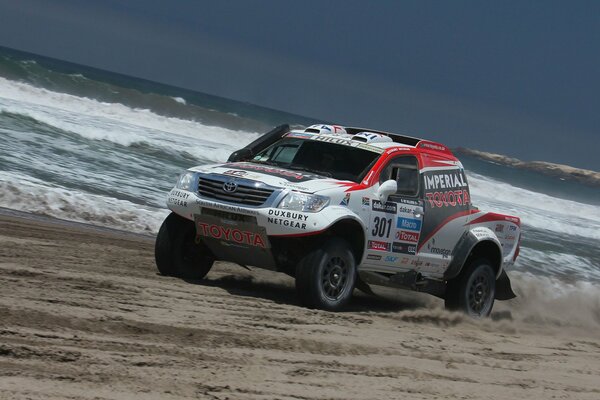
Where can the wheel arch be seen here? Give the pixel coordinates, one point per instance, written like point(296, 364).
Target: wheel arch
point(353, 232)
point(469, 247)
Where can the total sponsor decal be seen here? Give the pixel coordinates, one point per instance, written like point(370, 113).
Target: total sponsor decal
point(406, 236)
point(230, 234)
point(377, 245)
point(287, 218)
point(409, 224)
point(388, 207)
point(404, 248)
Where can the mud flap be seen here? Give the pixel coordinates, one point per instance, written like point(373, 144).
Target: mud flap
point(503, 289)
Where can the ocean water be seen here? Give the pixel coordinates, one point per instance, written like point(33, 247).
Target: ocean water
point(101, 148)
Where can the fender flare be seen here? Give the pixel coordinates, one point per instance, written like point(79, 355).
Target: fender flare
point(465, 246)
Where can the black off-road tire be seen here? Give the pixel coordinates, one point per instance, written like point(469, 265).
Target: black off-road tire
point(326, 276)
point(176, 251)
point(473, 291)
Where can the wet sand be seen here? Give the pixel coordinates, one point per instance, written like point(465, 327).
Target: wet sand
point(84, 315)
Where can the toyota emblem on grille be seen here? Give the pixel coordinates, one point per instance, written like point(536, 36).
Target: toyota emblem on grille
point(230, 187)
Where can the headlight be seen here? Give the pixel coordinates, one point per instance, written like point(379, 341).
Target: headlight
point(304, 202)
point(186, 181)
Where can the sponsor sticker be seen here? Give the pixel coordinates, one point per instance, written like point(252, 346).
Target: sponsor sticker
point(450, 198)
point(178, 198)
point(391, 259)
point(233, 172)
point(225, 207)
point(373, 257)
point(388, 207)
point(444, 181)
point(409, 224)
point(406, 236)
point(499, 228)
point(287, 218)
point(231, 234)
point(377, 245)
point(345, 200)
point(445, 253)
point(404, 248)
point(366, 201)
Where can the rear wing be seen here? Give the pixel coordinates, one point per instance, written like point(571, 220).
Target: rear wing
point(408, 140)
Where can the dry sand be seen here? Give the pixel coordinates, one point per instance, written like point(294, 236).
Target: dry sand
point(84, 315)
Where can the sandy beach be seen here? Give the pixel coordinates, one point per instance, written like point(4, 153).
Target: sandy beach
point(84, 315)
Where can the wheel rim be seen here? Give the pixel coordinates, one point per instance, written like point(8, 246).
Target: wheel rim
point(334, 278)
point(479, 294)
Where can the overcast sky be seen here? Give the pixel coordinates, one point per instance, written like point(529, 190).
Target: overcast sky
point(515, 77)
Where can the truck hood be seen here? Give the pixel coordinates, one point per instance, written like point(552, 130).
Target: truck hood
point(302, 181)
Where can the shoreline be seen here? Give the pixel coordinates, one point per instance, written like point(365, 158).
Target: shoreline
point(560, 171)
point(83, 315)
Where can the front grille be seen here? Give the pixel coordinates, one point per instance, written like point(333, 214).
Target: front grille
point(245, 194)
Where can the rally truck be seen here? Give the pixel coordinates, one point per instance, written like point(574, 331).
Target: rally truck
point(340, 208)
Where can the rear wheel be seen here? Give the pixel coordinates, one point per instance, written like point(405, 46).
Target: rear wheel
point(325, 277)
point(176, 251)
point(473, 291)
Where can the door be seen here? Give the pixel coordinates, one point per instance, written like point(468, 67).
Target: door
point(395, 226)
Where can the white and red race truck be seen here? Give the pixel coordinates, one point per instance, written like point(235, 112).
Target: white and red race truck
point(338, 208)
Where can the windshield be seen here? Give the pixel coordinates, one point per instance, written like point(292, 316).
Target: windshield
point(327, 159)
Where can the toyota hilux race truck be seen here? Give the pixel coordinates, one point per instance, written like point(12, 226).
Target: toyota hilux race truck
point(340, 208)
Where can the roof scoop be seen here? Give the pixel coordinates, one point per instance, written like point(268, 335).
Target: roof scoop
point(371, 137)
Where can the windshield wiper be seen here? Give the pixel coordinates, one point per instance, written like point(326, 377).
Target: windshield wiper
point(314, 171)
point(266, 162)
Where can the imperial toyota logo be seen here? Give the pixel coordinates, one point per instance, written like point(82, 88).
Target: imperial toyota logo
point(230, 187)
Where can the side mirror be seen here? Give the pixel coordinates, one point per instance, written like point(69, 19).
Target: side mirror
point(386, 189)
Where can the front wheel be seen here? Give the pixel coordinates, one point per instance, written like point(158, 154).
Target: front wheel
point(473, 291)
point(176, 251)
point(325, 277)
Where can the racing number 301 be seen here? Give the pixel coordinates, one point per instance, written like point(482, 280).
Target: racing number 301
point(382, 227)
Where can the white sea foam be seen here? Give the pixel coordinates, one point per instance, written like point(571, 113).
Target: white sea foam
point(535, 209)
point(24, 193)
point(566, 265)
point(549, 301)
point(118, 123)
point(179, 100)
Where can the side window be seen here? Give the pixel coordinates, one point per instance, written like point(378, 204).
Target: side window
point(405, 171)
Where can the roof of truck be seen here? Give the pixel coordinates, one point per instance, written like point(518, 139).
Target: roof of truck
point(358, 137)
